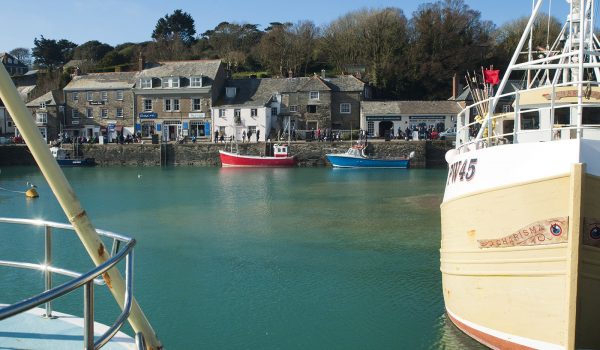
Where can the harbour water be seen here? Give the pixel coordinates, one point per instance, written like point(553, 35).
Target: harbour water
point(308, 258)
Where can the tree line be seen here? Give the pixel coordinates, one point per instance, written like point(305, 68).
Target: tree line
point(401, 57)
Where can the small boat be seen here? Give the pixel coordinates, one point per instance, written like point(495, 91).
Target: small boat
point(63, 158)
point(355, 157)
point(520, 219)
point(280, 158)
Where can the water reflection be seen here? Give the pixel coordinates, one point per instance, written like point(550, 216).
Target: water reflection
point(451, 338)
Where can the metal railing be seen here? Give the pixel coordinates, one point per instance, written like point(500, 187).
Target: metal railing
point(87, 280)
point(466, 138)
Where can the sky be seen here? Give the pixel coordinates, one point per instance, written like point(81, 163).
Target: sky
point(118, 21)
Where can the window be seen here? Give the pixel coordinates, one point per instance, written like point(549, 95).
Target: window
point(506, 109)
point(311, 109)
point(90, 95)
point(119, 95)
point(221, 113)
point(89, 113)
point(75, 114)
point(313, 95)
point(591, 115)
point(345, 108)
point(104, 113)
point(253, 112)
point(41, 118)
point(530, 120)
point(237, 113)
point(230, 92)
point(196, 82)
point(274, 111)
point(371, 128)
point(146, 83)
point(76, 96)
point(562, 116)
point(104, 96)
point(171, 104)
point(170, 82)
point(294, 108)
point(43, 105)
point(147, 105)
point(119, 112)
point(196, 104)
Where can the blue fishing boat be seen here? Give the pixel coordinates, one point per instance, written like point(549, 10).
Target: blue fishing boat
point(355, 157)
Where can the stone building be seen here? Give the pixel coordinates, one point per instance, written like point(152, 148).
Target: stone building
point(304, 103)
point(379, 117)
point(174, 99)
point(100, 104)
point(48, 113)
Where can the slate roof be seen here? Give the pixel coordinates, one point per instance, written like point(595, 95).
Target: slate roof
point(51, 98)
point(24, 91)
point(511, 86)
point(99, 81)
point(258, 92)
point(207, 68)
point(409, 107)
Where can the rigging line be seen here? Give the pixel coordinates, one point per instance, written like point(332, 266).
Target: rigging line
point(6, 189)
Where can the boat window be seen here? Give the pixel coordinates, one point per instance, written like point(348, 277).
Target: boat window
point(530, 120)
point(562, 116)
point(591, 115)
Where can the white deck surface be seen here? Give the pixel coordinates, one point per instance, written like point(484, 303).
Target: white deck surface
point(31, 331)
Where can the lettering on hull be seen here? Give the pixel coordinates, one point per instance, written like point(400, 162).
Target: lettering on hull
point(543, 232)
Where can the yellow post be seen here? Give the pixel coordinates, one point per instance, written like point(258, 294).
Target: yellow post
point(70, 204)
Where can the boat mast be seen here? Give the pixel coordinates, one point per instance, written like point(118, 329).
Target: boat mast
point(70, 204)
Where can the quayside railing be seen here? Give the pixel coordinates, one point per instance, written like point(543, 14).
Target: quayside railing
point(122, 249)
point(468, 136)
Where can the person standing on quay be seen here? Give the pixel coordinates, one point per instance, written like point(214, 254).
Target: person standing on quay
point(257, 135)
point(216, 135)
point(244, 136)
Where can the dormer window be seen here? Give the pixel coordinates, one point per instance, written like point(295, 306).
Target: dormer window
point(170, 82)
point(43, 105)
point(146, 83)
point(313, 95)
point(230, 92)
point(196, 82)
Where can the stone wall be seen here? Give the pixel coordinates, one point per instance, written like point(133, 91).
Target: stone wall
point(309, 154)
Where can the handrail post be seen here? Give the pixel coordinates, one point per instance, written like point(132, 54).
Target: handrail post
point(47, 264)
point(88, 316)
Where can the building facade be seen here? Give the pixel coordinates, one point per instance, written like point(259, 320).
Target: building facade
point(48, 111)
point(174, 99)
point(100, 104)
point(13, 66)
point(381, 117)
point(282, 104)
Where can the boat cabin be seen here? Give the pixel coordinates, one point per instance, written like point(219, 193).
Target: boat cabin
point(280, 150)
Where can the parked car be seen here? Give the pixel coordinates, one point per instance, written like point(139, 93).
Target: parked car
point(449, 134)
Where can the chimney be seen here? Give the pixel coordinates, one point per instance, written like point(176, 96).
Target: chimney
point(141, 62)
point(117, 69)
point(454, 87)
point(290, 74)
point(77, 71)
point(322, 73)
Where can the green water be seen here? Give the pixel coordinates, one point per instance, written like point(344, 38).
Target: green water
point(259, 258)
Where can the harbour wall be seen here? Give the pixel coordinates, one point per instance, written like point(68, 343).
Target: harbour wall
point(428, 154)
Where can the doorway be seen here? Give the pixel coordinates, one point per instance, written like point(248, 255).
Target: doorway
point(385, 127)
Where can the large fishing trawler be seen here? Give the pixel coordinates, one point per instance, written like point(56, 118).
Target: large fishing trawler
point(520, 247)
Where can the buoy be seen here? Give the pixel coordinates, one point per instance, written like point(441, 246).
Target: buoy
point(31, 193)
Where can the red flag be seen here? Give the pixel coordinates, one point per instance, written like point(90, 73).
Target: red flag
point(491, 76)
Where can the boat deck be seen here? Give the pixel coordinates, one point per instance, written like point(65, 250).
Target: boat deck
point(29, 330)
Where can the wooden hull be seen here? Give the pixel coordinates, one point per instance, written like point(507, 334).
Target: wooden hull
point(229, 159)
point(520, 266)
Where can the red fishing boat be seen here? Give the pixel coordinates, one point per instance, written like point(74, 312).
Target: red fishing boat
point(280, 158)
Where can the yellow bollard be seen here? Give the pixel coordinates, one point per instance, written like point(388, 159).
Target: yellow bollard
point(31, 193)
